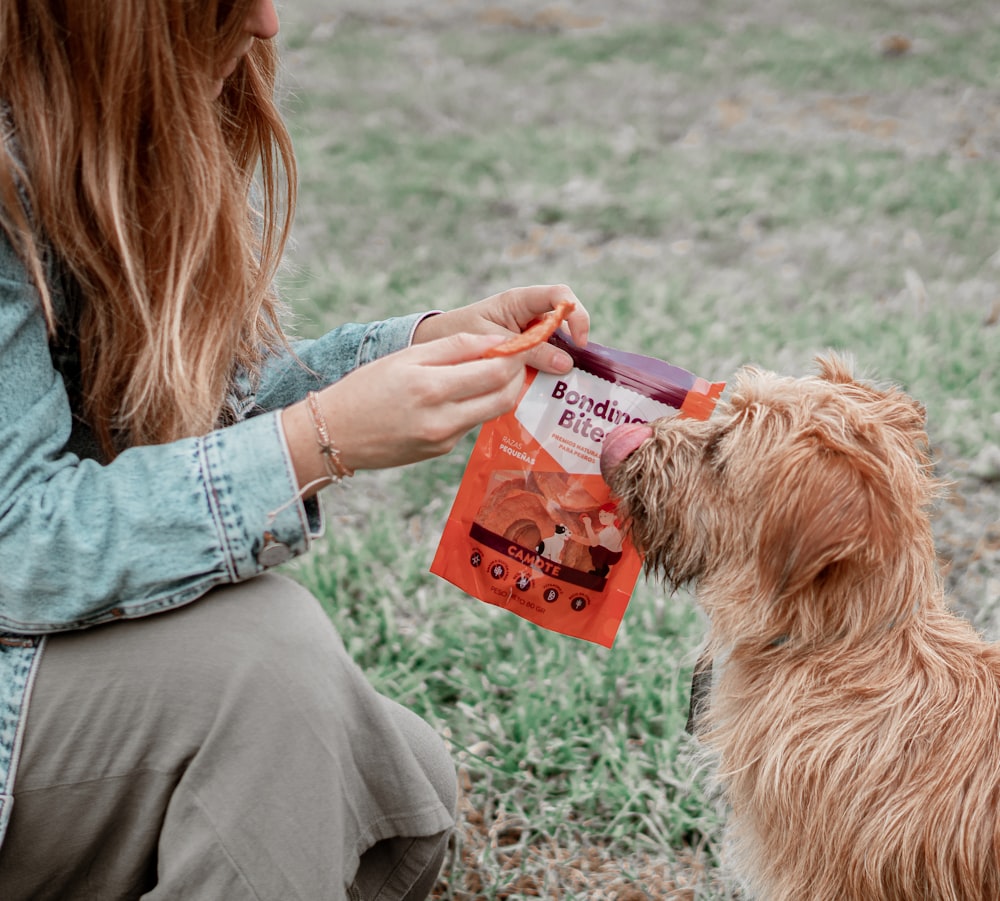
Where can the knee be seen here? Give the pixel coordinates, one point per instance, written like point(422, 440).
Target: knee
point(273, 611)
point(430, 752)
point(251, 648)
point(272, 626)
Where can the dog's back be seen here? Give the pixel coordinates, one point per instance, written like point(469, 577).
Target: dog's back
point(864, 772)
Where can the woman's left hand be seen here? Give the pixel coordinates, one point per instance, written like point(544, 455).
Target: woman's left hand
point(510, 313)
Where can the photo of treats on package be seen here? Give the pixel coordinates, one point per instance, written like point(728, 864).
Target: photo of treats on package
point(533, 528)
point(553, 514)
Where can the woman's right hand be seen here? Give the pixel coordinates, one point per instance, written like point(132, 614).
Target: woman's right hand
point(411, 405)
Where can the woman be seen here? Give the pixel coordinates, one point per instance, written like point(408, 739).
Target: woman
point(606, 545)
point(195, 728)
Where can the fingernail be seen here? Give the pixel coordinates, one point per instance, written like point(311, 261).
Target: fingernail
point(562, 360)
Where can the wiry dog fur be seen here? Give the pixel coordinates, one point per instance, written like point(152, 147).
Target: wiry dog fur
point(855, 720)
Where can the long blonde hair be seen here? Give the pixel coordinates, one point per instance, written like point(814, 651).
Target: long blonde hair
point(139, 182)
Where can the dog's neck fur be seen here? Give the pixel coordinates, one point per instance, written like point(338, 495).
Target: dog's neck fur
point(837, 607)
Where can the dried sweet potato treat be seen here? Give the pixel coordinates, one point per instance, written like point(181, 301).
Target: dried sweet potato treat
point(535, 334)
point(505, 485)
point(533, 527)
point(514, 507)
point(563, 489)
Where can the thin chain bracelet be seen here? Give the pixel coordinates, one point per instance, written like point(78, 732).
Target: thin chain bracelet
point(335, 467)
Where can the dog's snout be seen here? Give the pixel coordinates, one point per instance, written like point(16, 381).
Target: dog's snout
point(620, 443)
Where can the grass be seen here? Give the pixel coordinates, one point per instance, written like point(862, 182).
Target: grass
point(563, 739)
point(572, 711)
point(723, 186)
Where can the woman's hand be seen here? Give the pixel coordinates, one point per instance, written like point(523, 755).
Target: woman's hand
point(509, 313)
point(418, 402)
point(409, 406)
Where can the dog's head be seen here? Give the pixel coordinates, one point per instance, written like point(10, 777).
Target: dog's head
point(799, 508)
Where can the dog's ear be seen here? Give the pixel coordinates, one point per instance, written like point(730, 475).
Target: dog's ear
point(889, 407)
point(821, 514)
point(836, 368)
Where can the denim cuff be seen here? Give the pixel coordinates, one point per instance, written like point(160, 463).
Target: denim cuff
point(256, 502)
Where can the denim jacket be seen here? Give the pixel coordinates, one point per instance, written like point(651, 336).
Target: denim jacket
point(84, 542)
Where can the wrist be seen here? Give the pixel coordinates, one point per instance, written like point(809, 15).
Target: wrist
point(335, 468)
point(314, 450)
point(427, 328)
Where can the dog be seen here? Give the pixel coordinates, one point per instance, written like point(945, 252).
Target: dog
point(854, 719)
point(553, 546)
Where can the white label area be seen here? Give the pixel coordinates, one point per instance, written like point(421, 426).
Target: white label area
point(570, 415)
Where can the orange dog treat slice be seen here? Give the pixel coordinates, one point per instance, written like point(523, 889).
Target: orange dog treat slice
point(537, 334)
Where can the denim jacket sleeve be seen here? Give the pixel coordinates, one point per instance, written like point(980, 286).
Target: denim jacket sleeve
point(83, 542)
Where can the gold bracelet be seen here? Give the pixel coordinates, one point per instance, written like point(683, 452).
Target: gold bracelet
point(335, 467)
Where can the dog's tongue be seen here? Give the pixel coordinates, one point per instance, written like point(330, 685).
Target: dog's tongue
point(620, 442)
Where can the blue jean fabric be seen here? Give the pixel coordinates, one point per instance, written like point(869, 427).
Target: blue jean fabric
point(84, 542)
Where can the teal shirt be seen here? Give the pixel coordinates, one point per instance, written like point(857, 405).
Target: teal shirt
point(84, 542)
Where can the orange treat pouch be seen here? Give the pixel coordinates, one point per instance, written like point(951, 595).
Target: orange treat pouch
point(533, 527)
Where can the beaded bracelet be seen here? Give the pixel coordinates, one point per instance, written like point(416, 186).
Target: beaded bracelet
point(335, 467)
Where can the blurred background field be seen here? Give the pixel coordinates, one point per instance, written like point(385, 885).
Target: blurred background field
point(721, 183)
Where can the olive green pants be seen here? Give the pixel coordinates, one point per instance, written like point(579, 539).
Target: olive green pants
point(226, 750)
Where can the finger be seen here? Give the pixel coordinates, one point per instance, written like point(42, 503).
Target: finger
point(554, 360)
point(459, 370)
point(550, 359)
point(530, 303)
point(457, 348)
point(488, 405)
point(540, 299)
point(456, 419)
point(578, 323)
point(535, 335)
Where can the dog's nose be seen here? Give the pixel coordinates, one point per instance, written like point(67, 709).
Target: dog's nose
point(620, 442)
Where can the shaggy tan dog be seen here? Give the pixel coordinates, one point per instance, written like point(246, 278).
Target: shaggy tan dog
point(856, 721)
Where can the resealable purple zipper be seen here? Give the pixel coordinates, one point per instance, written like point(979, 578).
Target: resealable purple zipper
point(649, 376)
